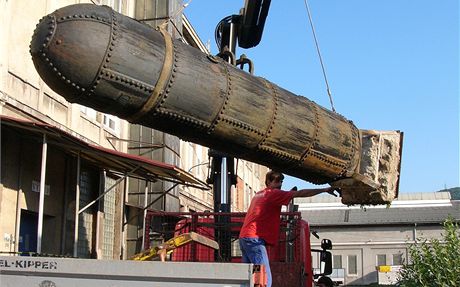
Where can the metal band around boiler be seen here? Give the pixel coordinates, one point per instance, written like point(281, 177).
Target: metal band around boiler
point(162, 81)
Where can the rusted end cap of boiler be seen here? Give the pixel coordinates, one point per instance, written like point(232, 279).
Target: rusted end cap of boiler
point(69, 47)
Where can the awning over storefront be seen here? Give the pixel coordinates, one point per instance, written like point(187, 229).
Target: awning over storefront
point(131, 165)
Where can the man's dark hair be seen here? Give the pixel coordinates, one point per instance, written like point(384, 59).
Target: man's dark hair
point(272, 176)
point(326, 280)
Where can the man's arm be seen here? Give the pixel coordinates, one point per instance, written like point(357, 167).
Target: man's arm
point(313, 192)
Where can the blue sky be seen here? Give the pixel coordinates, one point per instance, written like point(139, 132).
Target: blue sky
point(391, 65)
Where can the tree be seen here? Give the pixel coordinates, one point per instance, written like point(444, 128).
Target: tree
point(434, 262)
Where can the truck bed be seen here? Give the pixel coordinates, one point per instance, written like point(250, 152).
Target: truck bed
point(51, 272)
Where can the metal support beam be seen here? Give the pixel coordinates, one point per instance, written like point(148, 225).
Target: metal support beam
point(123, 215)
point(77, 207)
point(41, 202)
point(146, 194)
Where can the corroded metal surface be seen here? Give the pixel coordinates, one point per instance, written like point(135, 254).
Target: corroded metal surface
point(96, 57)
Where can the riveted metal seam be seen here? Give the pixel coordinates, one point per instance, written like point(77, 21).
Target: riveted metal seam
point(274, 113)
point(162, 81)
point(278, 153)
point(79, 17)
point(355, 138)
point(327, 159)
point(324, 158)
point(182, 119)
point(261, 145)
point(53, 26)
point(110, 46)
point(123, 79)
point(165, 93)
point(220, 114)
point(89, 18)
point(45, 45)
point(314, 141)
point(239, 124)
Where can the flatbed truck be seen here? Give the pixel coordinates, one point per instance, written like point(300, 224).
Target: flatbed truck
point(196, 263)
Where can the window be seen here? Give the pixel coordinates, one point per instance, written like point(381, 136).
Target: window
point(88, 112)
point(398, 259)
point(85, 227)
point(352, 265)
point(381, 259)
point(108, 206)
point(337, 261)
point(111, 122)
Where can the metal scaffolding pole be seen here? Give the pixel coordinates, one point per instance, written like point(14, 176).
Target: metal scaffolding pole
point(77, 207)
point(42, 194)
point(146, 194)
point(123, 217)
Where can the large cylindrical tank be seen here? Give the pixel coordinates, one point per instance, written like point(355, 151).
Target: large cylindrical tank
point(96, 57)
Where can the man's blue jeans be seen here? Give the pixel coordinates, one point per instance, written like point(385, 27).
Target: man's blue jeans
point(254, 251)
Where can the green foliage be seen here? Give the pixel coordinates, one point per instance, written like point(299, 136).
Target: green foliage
point(434, 262)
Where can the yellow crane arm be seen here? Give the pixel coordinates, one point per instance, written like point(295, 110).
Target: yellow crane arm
point(169, 246)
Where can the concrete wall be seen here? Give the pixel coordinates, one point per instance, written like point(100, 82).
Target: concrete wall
point(22, 90)
point(21, 161)
point(24, 95)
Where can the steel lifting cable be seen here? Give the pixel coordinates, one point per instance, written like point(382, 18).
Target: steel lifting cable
point(319, 55)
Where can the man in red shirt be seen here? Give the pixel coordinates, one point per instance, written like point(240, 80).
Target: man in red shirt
point(262, 222)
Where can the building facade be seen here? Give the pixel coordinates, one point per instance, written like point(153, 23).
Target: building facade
point(365, 238)
point(75, 181)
